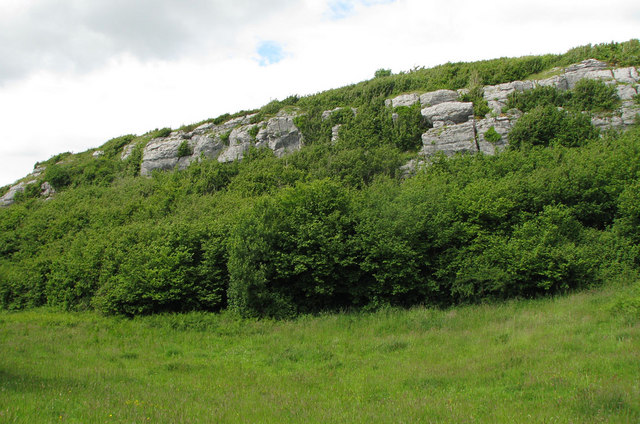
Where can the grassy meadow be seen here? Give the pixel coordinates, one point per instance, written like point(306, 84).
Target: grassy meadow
point(565, 359)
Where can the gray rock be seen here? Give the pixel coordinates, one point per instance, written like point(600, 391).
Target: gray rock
point(411, 168)
point(9, 197)
point(97, 153)
point(232, 153)
point(47, 190)
point(451, 139)
point(208, 146)
point(241, 135)
point(160, 153)
point(630, 112)
point(439, 96)
point(501, 92)
point(498, 95)
point(559, 82)
point(448, 113)
point(502, 125)
point(335, 133)
point(126, 151)
point(574, 77)
point(626, 92)
point(281, 135)
point(405, 100)
point(587, 65)
point(327, 113)
point(604, 123)
point(626, 75)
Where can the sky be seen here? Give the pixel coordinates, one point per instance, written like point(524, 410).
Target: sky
point(76, 73)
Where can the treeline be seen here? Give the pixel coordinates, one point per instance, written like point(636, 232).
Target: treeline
point(335, 226)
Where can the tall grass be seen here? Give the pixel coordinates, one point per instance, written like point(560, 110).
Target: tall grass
point(564, 359)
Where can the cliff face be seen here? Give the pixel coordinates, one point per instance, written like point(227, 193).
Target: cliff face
point(225, 142)
point(454, 129)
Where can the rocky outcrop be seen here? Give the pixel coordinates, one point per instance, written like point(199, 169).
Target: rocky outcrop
point(280, 135)
point(455, 130)
point(437, 97)
point(9, 197)
point(448, 113)
point(497, 95)
point(450, 139)
point(225, 142)
point(427, 99)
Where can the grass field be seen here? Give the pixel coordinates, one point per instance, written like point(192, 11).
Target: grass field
point(570, 359)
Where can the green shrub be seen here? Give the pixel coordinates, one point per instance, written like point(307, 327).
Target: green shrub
point(492, 136)
point(593, 96)
point(408, 127)
point(184, 149)
point(382, 73)
point(59, 176)
point(538, 97)
point(548, 125)
point(113, 147)
point(160, 133)
point(175, 268)
point(291, 254)
point(253, 131)
point(224, 137)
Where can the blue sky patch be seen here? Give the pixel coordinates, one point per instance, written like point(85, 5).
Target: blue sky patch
point(270, 52)
point(339, 9)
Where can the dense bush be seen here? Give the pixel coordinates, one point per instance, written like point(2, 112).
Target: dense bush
point(332, 226)
point(292, 254)
point(548, 125)
point(593, 96)
point(184, 149)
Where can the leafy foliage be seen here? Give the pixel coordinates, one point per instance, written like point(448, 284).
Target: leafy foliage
point(332, 226)
point(548, 125)
point(184, 149)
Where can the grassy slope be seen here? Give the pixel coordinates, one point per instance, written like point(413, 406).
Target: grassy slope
point(563, 359)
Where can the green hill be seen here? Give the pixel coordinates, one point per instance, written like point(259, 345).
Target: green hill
point(334, 218)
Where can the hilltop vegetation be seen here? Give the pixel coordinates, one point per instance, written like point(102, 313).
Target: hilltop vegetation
point(334, 226)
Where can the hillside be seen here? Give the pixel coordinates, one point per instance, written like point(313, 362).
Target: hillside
point(456, 184)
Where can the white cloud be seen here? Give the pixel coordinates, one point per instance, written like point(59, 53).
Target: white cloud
point(81, 72)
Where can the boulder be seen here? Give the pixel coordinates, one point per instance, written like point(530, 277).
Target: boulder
point(335, 133)
point(498, 95)
point(208, 146)
point(605, 123)
point(9, 197)
point(46, 190)
point(559, 82)
point(126, 151)
point(626, 91)
point(439, 96)
point(450, 139)
point(160, 153)
point(281, 135)
point(626, 75)
point(502, 125)
point(630, 111)
point(590, 68)
point(403, 100)
point(448, 113)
